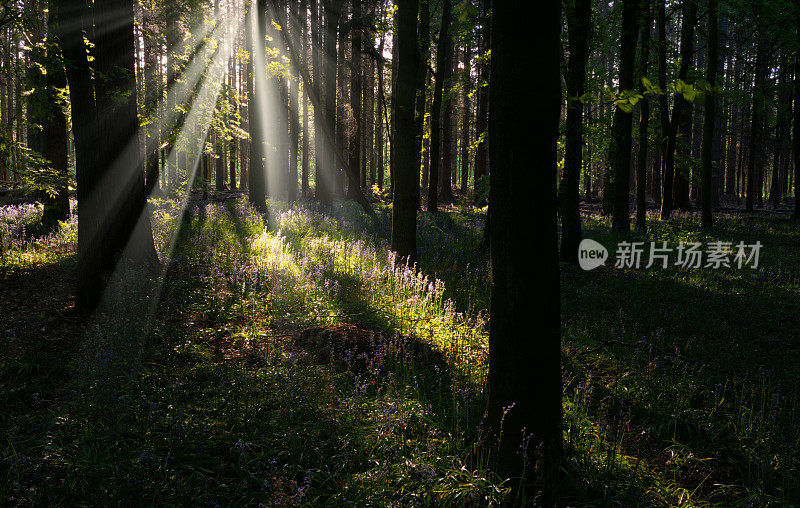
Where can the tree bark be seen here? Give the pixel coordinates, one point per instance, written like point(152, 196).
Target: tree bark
point(69, 19)
point(355, 103)
point(755, 125)
point(423, 38)
point(54, 139)
point(644, 124)
point(621, 146)
point(443, 65)
point(481, 151)
point(796, 147)
point(524, 381)
point(256, 188)
point(406, 178)
point(681, 125)
point(579, 18)
point(706, 182)
point(663, 105)
point(127, 227)
point(466, 90)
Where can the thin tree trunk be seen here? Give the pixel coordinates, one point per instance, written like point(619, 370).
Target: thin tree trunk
point(355, 102)
point(681, 125)
point(796, 214)
point(481, 152)
point(706, 182)
point(423, 38)
point(466, 90)
point(443, 65)
point(667, 169)
point(644, 123)
point(256, 173)
point(579, 14)
point(621, 145)
point(755, 126)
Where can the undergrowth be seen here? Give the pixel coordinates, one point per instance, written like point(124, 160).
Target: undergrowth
point(306, 365)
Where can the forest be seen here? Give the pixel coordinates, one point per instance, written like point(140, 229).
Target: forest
point(399, 253)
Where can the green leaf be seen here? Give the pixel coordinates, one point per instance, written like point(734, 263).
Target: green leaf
point(625, 106)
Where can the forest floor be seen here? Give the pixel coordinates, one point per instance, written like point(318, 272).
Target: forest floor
point(302, 365)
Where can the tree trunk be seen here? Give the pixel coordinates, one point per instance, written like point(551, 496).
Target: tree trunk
point(54, 140)
point(127, 228)
point(256, 188)
point(355, 103)
point(423, 38)
point(644, 123)
point(481, 152)
point(466, 90)
point(68, 19)
point(306, 154)
point(663, 106)
point(796, 148)
point(706, 182)
point(448, 133)
point(681, 125)
point(406, 179)
point(579, 15)
point(620, 156)
point(776, 189)
point(443, 65)
point(524, 382)
point(755, 125)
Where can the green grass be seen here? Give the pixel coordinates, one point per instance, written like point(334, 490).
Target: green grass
point(306, 366)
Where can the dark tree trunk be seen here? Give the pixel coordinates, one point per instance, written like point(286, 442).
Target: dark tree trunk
point(681, 125)
point(481, 151)
point(644, 124)
point(406, 178)
point(524, 380)
point(442, 73)
point(320, 178)
point(776, 189)
point(621, 146)
point(219, 166)
point(379, 124)
point(355, 104)
point(68, 19)
point(734, 141)
point(663, 107)
point(448, 134)
point(443, 65)
point(423, 38)
point(306, 155)
point(54, 139)
point(706, 182)
point(753, 187)
point(718, 146)
point(466, 90)
point(333, 12)
point(796, 140)
point(256, 188)
point(127, 226)
point(579, 17)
